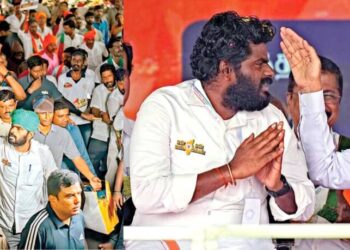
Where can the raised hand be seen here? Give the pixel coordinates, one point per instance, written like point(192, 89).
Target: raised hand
point(303, 59)
point(255, 153)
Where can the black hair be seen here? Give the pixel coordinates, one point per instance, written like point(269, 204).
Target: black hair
point(68, 17)
point(119, 74)
point(111, 41)
point(106, 67)
point(65, 3)
point(327, 66)
point(69, 23)
point(69, 50)
point(60, 104)
point(6, 95)
point(227, 37)
point(88, 14)
point(32, 11)
point(80, 52)
point(61, 178)
point(4, 26)
point(31, 21)
point(45, 61)
point(34, 61)
point(129, 55)
point(98, 7)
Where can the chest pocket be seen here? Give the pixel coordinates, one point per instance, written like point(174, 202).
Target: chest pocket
point(31, 171)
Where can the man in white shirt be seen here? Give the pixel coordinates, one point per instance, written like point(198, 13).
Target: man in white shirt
point(98, 145)
point(330, 206)
point(24, 168)
point(210, 150)
point(69, 37)
point(96, 50)
point(8, 104)
point(32, 41)
point(17, 18)
point(327, 167)
point(43, 30)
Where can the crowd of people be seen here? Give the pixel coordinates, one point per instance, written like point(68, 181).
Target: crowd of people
point(60, 66)
point(215, 150)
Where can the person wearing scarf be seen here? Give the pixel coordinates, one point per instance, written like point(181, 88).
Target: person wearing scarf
point(32, 41)
point(49, 52)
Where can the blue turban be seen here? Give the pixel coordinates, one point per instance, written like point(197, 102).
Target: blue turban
point(28, 120)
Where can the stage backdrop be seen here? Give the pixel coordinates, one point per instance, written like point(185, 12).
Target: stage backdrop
point(163, 33)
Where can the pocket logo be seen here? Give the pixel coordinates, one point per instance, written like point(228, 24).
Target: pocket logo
point(190, 147)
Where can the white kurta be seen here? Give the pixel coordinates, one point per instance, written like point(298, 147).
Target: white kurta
point(163, 178)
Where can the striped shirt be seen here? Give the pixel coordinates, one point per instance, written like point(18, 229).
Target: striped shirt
point(45, 231)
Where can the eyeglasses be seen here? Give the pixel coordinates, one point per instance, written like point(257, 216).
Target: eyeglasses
point(328, 97)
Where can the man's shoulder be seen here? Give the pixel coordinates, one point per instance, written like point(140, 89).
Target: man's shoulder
point(271, 111)
point(180, 92)
point(37, 146)
point(38, 221)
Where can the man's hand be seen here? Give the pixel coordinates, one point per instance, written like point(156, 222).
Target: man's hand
point(270, 175)
point(105, 118)
point(95, 183)
point(255, 153)
point(88, 116)
point(117, 200)
point(36, 84)
point(303, 59)
point(3, 70)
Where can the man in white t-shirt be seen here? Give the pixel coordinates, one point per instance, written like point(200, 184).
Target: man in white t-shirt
point(98, 145)
point(96, 50)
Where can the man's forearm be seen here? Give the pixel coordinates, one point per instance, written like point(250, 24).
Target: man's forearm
point(287, 203)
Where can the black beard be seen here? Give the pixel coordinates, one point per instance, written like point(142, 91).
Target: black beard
point(12, 139)
point(245, 96)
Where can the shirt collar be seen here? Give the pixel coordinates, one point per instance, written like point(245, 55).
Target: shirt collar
point(58, 223)
point(69, 73)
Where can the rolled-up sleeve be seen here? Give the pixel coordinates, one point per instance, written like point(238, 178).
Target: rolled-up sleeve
point(295, 170)
point(155, 188)
point(327, 167)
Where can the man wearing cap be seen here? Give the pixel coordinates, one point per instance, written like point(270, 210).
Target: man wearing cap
point(41, 18)
point(96, 50)
point(59, 140)
point(25, 165)
point(49, 52)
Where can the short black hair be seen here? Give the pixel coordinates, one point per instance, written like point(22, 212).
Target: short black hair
point(60, 104)
point(120, 74)
point(69, 50)
point(113, 40)
point(129, 56)
point(327, 66)
point(106, 67)
point(4, 26)
point(98, 7)
point(69, 17)
point(45, 61)
point(88, 14)
point(34, 61)
point(64, 2)
point(227, 37)
point(69, 23)
point(31, 21)
point(6, 95)
point(80, 52)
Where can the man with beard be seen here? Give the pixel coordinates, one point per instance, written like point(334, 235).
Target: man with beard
point(209, 151)
point(90, 19)
point(117, 56)
point(76, 86)
point(98, 145)
point(24, 168)
point(65, 65)
point(8, 104)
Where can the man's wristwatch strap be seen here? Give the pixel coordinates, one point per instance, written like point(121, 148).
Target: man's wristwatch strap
point(285, 189)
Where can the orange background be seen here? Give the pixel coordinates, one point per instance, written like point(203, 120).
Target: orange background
point(154, 28)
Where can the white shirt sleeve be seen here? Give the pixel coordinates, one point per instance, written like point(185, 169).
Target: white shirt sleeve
point(327, 167)
point(113, 104)
point(96, 101)
point(294, 168)
point(155, 188)
point(48, 161)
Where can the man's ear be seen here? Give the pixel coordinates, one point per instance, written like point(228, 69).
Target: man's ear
point(226, 71)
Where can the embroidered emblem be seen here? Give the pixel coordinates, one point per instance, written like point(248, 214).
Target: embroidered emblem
point(67, 85)
point(6, 162)
point(189, 147)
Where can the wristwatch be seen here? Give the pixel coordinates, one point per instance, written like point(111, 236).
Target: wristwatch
point(285, 189)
